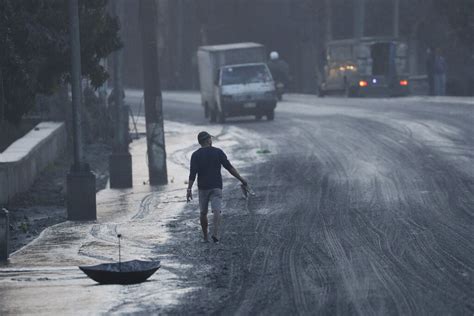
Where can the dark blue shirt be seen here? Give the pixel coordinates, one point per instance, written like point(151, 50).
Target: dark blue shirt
point(206, 162)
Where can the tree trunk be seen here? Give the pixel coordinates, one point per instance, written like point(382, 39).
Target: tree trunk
point(153, 100)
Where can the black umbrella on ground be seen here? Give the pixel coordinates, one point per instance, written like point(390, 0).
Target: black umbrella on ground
point(128, 272)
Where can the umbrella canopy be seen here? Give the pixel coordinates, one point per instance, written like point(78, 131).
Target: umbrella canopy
point(128, 272)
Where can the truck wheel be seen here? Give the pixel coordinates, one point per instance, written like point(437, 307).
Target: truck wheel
point(220, 117)
point(258, 117)
point(212, 115)
point(271, 115)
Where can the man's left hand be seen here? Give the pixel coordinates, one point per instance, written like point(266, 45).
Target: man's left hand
point(189, 195)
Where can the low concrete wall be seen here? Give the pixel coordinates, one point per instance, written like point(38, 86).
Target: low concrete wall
point(23, 160)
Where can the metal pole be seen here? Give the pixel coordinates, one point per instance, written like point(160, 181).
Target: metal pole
point(80, 199)
point(120, 161)
point(396, 18)
point(2, 98)
point(120, 253)
point(328, 21)
point(118, 87)
point(152, 94)
point(359, 18)
point(179, 44)
point(76, 83)
point(4, 235)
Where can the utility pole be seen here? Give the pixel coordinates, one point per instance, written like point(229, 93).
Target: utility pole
point(328, 21)
point(179, 44)
point(203, 9)
point(359, 18)
point(81, 199)
point(396, 18)
point(120, 161)
point(153, 100)
point(2, 98)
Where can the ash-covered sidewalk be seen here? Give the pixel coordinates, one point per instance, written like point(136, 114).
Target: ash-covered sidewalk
point(43, 278)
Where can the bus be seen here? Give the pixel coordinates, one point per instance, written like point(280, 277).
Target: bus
point(368, 66)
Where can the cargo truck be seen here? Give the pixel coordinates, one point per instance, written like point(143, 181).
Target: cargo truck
point(235, 81)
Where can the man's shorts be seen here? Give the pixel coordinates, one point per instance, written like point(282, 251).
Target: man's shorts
point(214, 196)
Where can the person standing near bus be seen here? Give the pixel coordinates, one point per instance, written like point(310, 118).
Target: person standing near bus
point(430, 57)
point(439, 73)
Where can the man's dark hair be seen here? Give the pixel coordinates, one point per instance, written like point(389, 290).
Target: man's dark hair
point(203, 137)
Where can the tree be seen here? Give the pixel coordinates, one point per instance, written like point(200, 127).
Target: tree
point(35, 55)
point(460, 16)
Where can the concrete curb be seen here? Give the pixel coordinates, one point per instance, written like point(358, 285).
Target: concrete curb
point(22, 161)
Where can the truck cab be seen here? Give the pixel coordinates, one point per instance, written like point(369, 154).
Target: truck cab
point(245, 89)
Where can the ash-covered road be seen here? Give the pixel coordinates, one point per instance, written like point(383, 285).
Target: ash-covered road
point(362, 206)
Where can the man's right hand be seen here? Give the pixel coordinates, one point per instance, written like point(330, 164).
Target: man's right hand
point(189, 195)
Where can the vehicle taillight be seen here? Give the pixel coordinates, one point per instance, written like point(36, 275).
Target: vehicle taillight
point(363, 83)
point(404, 82)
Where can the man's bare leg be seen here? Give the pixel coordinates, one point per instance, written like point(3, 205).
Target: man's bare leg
point(217, 223)
point(204, 225)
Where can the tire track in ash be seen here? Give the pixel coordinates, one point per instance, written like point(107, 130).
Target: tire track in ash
point(390, 265)
point(294, 290)
point(374, 266)
point(343, 273)
point(445, 213)
point(281, 279)
point(353, 224)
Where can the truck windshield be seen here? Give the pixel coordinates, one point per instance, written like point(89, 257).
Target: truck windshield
point(245, 74)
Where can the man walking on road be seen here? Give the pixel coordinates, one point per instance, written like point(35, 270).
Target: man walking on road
point(206, 162)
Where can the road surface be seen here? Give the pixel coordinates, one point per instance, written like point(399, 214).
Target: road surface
point(362, 206)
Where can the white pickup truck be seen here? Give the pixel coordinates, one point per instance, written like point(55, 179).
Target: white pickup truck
point(235, 81)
